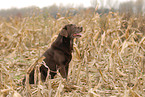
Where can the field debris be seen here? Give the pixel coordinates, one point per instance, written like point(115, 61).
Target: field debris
point(108, 60)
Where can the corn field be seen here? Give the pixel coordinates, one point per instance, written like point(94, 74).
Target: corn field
point(108, 60)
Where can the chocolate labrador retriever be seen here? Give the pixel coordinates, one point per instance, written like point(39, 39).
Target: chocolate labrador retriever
point(59, 55)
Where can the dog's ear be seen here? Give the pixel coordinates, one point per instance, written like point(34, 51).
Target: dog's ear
point(64, 32)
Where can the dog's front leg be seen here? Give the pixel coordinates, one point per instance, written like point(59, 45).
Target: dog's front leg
point(64, 71)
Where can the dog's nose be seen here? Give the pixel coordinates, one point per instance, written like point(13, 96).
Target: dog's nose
point(82, 28)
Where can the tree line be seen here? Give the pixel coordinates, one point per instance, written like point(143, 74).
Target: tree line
point(128, 8)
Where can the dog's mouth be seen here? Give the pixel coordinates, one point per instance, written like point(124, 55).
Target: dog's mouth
point(77, 35)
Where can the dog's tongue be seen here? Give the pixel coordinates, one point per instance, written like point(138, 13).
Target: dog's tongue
point(77, 34)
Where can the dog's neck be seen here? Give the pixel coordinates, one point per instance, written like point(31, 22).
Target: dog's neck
point(64, 44)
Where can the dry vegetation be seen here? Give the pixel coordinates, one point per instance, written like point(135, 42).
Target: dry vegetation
point(108, 60)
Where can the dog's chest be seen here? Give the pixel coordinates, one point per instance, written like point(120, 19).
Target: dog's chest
point(68, 58)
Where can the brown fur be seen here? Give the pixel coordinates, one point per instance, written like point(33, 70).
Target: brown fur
point(59, 55)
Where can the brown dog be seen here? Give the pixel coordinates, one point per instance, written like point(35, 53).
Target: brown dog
point(59, 55)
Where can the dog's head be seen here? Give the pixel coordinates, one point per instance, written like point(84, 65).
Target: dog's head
point(71, 31)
